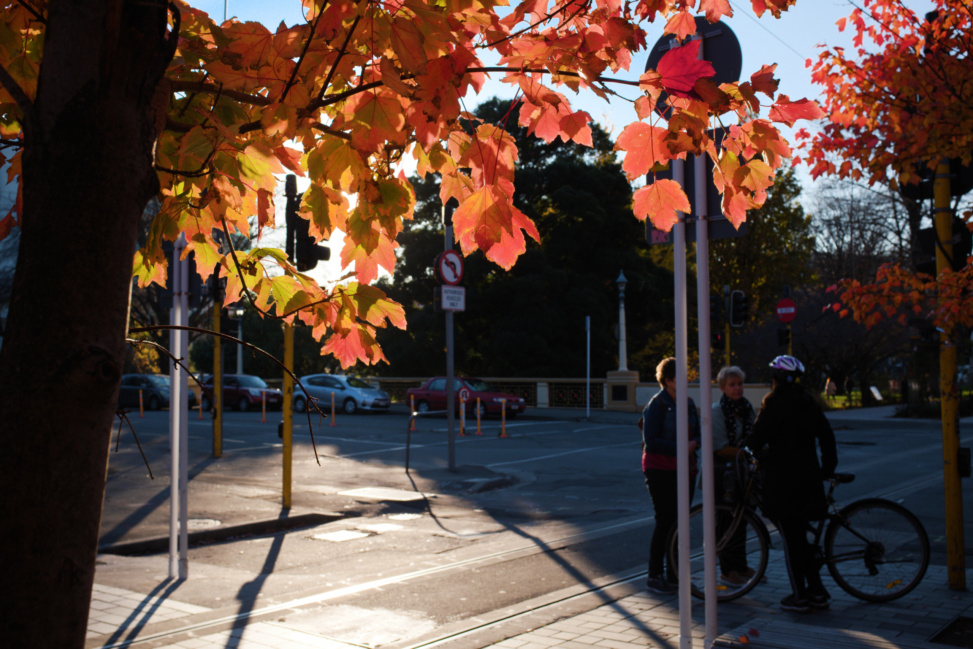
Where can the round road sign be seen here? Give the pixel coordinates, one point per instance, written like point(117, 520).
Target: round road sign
point(464, 394)
point(786, 310)
point(449, 267)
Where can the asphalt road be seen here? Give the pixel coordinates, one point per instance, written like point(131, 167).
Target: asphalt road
point(435, 552)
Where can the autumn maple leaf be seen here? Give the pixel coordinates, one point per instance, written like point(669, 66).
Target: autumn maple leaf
point(489, 222)
point(644, 147)
point(788, 112)
point(660, 202)
point(680, 69)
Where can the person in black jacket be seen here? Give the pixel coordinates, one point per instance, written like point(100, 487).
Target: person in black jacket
point(659, 467)
point(789, 422)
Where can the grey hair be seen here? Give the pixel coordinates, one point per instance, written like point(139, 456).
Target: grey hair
point(729, 372)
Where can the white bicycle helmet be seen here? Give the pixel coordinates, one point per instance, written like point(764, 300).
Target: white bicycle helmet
point(787, 369)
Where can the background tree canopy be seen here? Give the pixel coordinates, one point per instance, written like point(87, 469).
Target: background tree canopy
point(530, 321)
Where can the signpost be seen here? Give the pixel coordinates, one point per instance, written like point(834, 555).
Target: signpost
point(720, 47)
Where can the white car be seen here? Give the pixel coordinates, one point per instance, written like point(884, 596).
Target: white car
point(350, 394)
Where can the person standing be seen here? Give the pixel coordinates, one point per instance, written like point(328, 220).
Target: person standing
point(659, 441)
point(789, 424)
point(733, 417)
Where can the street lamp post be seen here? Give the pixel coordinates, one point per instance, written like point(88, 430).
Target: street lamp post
point(622, 352)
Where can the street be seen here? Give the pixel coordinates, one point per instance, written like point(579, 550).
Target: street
point(392, 559)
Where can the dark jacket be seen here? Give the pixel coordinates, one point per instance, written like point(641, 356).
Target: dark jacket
point(789, 423)
point(659, 431)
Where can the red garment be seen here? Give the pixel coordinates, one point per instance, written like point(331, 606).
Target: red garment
point(666, 463)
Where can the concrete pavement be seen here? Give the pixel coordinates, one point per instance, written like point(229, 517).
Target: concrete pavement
point(134, 604)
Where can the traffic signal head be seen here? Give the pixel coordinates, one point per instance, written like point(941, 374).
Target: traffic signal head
point(307, 252)
point(783, 336)
point(739, 305)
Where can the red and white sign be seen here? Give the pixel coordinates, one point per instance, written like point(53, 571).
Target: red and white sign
point(464, 394)
point(449, 267)
point(786, 310)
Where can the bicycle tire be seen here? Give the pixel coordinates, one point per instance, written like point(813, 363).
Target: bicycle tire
point(751, 536)
point(876, 550)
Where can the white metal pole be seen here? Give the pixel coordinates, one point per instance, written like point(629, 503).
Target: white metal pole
point(682, 419)
point(705, 398)
point(178, 418)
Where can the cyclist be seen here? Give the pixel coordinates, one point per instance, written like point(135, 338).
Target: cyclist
point(789, 422)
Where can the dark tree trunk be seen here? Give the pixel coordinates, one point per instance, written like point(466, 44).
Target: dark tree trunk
point(87, 175)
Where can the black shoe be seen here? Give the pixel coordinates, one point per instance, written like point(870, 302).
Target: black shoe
point(818, 601)
point(660, 586)
point(795, 604)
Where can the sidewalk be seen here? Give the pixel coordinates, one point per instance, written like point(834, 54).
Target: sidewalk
point(137, 610)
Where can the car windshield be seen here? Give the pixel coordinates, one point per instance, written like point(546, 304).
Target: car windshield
point(478, 385)
point(246, 381)
point(159, 380)
point(358, 383)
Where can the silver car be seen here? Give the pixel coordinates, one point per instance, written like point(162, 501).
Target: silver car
point(350, 394)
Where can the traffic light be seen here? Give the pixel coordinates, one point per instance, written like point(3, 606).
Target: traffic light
point(739, 304)
point(308, 253)
point(719, 340)
point(783, 336)
point(300, 245)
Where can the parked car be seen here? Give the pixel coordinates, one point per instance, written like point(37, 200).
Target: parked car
point(350, 394)
point(242, 391)
point(431, 396)
point(155, 391)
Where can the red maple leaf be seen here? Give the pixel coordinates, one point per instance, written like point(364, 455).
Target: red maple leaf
point(680, 68)
point(788, 112)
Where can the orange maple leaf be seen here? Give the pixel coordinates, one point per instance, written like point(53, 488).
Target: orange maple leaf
point(644, 146)
point(489, 222)
point(682, 25)
point(715, 9)
point(660, 202)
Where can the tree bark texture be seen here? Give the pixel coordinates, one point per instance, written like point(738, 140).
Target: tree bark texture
point(87, 174)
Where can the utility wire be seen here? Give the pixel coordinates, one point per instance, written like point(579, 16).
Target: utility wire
point(764, 27)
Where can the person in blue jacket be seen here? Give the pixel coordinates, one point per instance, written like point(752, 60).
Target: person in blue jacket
point(789, 424)
point(659, 468)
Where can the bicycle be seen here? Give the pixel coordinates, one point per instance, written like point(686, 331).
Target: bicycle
point(875, 549)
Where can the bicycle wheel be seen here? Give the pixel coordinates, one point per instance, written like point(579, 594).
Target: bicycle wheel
point(876, 550)
point(741, 552)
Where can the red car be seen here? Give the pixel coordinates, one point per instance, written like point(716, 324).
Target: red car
point(431, 396)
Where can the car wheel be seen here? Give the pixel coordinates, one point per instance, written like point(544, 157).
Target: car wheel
point(299, 404)
point(207, 405)
point(153, 403)
point(350, 407)
point(422, 406)
point(243, 404)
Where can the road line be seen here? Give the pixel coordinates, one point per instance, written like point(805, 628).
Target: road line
point(547, 457)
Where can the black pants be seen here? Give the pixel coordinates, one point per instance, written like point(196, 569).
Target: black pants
point(801, 568)
point(663, 488)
